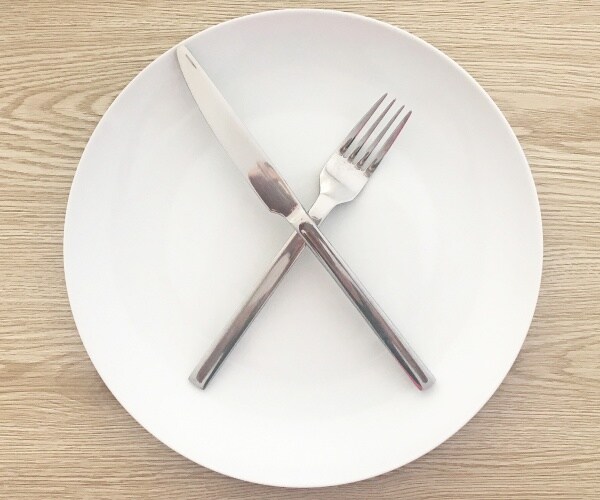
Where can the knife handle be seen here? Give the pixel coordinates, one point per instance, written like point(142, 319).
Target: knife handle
point(205, 370)
point(366, 305)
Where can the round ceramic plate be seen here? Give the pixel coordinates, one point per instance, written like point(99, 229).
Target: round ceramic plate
point(164, 239)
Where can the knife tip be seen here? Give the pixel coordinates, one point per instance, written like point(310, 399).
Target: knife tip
point(183, 55)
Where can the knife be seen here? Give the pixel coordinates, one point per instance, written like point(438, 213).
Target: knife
point(272, 189)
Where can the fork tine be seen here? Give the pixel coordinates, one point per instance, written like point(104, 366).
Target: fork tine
point(377, 140)
point(387, 144)
point(359, 126)
point(368, 133)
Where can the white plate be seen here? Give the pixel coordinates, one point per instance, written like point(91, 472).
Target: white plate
point(164, 239)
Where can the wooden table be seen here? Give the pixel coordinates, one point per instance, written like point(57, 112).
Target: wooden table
point(63, 435)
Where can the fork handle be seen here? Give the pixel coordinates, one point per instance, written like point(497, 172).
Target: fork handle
point(205, 370)
point(366, 305)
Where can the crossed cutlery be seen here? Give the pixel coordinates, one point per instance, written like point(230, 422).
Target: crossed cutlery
point(343, 177)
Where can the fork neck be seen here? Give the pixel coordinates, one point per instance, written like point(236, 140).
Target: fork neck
point(321, 208)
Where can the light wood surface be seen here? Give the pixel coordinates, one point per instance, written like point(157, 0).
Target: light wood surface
point(63, 435)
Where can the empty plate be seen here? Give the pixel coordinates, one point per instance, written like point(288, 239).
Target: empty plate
point(164, 240)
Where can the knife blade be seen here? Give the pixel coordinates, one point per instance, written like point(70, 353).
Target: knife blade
point(272, 189)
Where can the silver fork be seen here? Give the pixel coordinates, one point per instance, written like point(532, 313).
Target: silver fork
point(343, 177)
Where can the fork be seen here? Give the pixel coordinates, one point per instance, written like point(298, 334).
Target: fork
point(343, 177)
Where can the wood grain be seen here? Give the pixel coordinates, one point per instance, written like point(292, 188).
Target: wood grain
point(63, 435)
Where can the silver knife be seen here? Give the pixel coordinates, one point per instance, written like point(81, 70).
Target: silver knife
point(279, 198)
